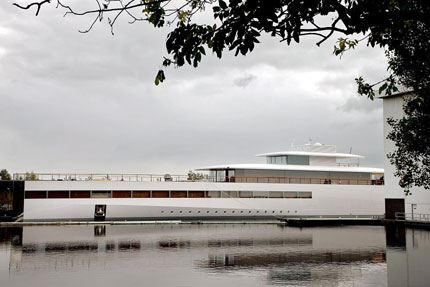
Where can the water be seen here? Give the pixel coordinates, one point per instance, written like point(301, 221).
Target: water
point(213, 255)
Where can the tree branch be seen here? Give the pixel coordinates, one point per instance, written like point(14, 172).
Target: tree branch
point(38, 4)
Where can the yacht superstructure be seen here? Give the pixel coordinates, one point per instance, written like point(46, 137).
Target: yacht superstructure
point(307, 180)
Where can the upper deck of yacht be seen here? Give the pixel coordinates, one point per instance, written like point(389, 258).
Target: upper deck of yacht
point(307, 164)
point(315, 162)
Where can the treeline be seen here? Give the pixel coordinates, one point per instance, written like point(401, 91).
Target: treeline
point(5, 175)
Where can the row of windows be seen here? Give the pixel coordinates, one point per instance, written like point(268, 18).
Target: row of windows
point(288, 159)
point(164, 194)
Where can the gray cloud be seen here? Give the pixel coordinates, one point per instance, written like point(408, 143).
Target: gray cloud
point(244, 81)
point(361, 104)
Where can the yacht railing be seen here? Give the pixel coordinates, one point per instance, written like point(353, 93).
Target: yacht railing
point(98, 177)
point(345, 164)
point(420, 217)
point(186, 178)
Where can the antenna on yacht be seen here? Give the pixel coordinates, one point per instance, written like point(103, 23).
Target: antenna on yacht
point(350, 150)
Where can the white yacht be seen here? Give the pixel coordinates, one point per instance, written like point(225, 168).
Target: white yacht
point(309, 180)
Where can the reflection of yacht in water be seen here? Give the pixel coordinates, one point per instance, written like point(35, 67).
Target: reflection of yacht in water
point(270, 254)
point(307, 180)
point(277, 253)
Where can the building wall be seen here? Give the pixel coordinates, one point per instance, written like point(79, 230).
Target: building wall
point(393, 108)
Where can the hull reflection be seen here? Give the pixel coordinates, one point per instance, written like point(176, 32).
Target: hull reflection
point(214, 255)
point(260, 260)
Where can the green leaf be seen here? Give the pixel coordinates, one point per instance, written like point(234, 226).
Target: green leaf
point(383, 87)
point(159, 78)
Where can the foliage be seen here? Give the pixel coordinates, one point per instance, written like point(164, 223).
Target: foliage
point(407, 49)
point(411, 135)
point(30, 176)
point(192, 176)
point(237, 25)
point(410, 62)
point(4, 175)
point(6, 199)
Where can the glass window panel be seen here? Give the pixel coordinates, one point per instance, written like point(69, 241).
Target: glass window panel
point(35, 194)
point(212, 175)
point(80, 194)
point(178, 193)
point(233, 193)
point(213, 194)
point(160, 193)
point(100, 194)
point(298, 160)
point(58, 194)
point(196, 194)
point(141, 194)
point(284, 159)
point(261, 194)
point(275, 194)
point(245, 194)
point(220, 174)
point(290, 194)
point(305, 194)
point(229, 194)
point(121, 194)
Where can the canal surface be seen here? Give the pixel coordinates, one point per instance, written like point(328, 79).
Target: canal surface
point(213, 255)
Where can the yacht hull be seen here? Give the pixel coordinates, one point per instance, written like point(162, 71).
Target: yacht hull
point(327, 200)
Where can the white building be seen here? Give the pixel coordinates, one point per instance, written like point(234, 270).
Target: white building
point(418, 202)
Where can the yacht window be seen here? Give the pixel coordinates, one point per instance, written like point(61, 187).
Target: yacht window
point(229, 194)
point(275, 194)
point(80, 194)
point(290, 194)
point(298, 159)
point(230, 176)
point(196, 194)
point(212, 175)
point(220, 176)
point(178, 193)
point(121, 194)
point(305, 194)
point(261, 194)
point(101, 194)
point(160, 193)
point(245, 194)
point(58, 194)
point(284, 159)
point(213, 194)
point(35, 194)
point(141, 193)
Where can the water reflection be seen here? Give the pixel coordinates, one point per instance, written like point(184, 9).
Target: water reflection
point(214, 255)
point(99, 230)
point(259, 260)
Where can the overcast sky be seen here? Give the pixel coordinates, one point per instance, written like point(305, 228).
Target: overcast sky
point(72, 102)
